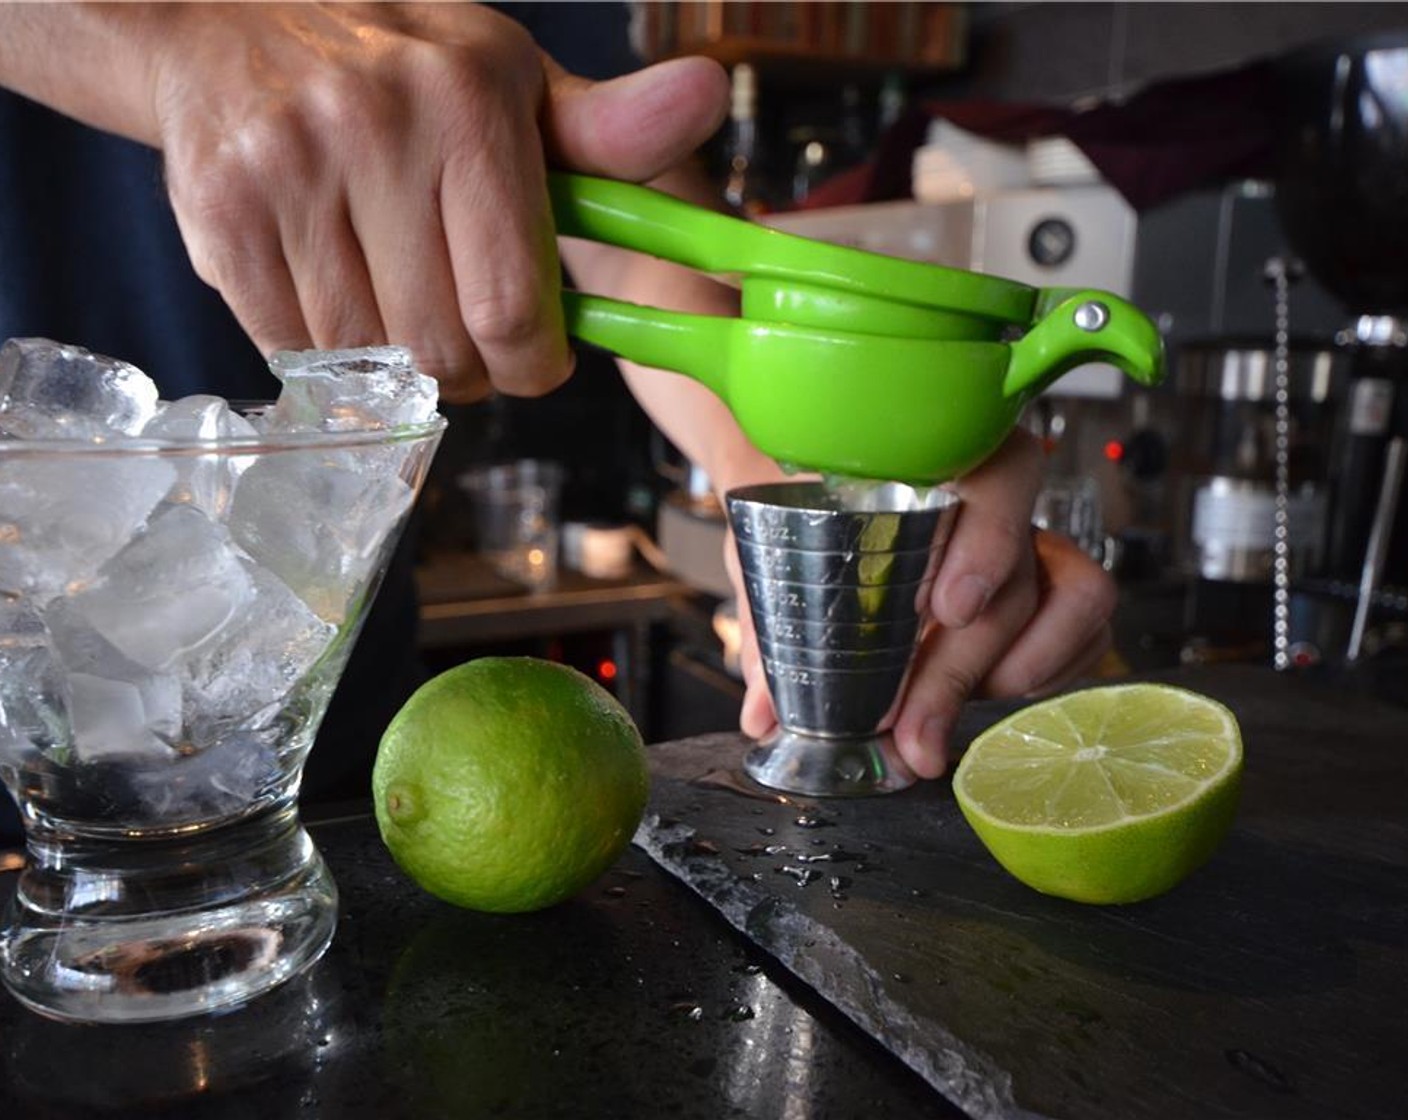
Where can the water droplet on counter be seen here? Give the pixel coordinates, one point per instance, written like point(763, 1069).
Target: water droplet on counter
point(805, 876)
point(755, 850)
point(836, 855)
point(813, 820)
point(740, 1014)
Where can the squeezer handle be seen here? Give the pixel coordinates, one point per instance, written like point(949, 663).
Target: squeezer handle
point(695, 345)
point(652, 222)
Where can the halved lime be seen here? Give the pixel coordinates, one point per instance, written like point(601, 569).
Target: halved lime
point(1113, 794)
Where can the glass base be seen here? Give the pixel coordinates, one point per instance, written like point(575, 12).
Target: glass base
point(141, 929)
point(828, 767)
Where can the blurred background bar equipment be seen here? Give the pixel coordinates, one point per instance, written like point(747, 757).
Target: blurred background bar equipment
point(1224, 459)
point(517, 518)
point(1342, 196)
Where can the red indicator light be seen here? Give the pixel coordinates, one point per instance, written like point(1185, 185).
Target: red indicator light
point(606, 669)
point(1114, 451)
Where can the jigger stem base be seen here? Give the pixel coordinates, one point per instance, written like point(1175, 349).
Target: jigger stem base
point(828, 767)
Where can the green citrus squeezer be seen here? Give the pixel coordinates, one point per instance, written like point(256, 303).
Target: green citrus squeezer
point(845, 361)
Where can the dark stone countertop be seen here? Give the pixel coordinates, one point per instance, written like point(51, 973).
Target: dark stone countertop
point(633, 1000)
point(1272, 983)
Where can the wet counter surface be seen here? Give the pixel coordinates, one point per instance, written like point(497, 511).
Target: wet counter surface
point(633, 1000)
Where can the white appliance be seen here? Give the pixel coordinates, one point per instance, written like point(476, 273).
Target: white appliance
point(1078, 235)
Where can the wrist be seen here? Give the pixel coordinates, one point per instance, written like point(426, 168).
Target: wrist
point(91, 62)
point(740, 465)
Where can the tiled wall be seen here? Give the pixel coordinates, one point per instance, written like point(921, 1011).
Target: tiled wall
point(1065, 52)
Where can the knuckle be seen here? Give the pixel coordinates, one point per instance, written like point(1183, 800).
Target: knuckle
point(455, 365)
point(951, 685)
point(1090, 591)
point(271, 144)
point(1100, 597)
point(475, 80)
point(515, 331)
point(510, 317)
point(220, 201)
point(344, 106)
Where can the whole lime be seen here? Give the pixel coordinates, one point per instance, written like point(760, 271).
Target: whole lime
point(508, 784)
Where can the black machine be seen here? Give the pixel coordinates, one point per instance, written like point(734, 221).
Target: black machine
point(1342, 196)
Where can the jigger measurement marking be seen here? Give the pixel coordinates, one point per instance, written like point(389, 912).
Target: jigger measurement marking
point(796, 676)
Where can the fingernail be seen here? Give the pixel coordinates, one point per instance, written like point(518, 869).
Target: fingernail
point(965, 599)
point(932, 742)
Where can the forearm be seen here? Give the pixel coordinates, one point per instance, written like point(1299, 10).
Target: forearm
point(92, 62)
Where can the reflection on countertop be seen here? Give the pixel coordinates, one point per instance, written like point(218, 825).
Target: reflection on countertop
point(632, 1000)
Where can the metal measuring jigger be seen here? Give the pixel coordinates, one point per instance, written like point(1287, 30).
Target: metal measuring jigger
point(838, 584)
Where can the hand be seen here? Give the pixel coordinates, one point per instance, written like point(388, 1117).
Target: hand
point(1016, 612)
point(349, 174)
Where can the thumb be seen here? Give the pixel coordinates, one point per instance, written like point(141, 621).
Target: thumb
point(637, 126)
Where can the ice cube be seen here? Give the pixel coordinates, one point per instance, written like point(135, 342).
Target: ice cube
point(52, 391)
point(137, 720)
point(115, 705)
point(62, 518)
point(172, 589)
point(350, 390)
point(31, 687)
point(205, 481)
point(259, 658)
point(316, 524)
point(226, 778)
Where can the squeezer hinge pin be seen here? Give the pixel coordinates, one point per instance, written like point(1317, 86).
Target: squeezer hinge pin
point(1092, 315)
